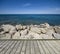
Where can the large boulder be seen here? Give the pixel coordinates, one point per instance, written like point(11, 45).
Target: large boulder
point(36, 30)
point(24, 32)
point(2, 32)
point(24, 27)
point(56, 35)
point(5, 36)
point(28, 27)
point(45, 25)
point(45, 36)
point(1, 29)
point(33, 35)
point(12, 31)
point(7, 27)
point(19, 27)
point(57, 29)
point(16, 36)
point(50, 32)
point(43, 30)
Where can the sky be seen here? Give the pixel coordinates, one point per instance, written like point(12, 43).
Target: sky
point(29, 6)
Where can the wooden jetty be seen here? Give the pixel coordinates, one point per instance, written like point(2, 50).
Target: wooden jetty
point(35, 46)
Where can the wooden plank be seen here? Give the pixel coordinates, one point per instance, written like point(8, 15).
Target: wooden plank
point(52, 48)
point(3, 47)
point(45, 49)
point(3, 44)
point(55, 45)
point(7, 48)
point(10, 49)
point(28, 49)
point(37, 51)
point(32, 47)
point(41, 48)
point(15, 47)
point(19, 48)
point(23, 50)
point(48, 47)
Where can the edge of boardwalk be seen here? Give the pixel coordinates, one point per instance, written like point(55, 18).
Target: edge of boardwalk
point(27, 39)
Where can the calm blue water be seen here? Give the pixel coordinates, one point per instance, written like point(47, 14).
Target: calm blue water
point(52, 19)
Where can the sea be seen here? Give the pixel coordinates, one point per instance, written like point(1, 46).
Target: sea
point(27, 19)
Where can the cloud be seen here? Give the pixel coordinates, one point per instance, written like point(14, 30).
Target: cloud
point(57, 9)
point(26, 5)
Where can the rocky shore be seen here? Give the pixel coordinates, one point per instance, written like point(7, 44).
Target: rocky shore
point(42, 31)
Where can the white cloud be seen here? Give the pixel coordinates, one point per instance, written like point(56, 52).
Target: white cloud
point(57, 9)
point(26, 4)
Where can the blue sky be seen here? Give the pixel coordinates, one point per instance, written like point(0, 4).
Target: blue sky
point(29, 6)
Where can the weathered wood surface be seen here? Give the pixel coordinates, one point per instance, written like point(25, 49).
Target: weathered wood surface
point(30, 47)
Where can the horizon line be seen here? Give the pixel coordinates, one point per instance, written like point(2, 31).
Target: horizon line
point(35, 13)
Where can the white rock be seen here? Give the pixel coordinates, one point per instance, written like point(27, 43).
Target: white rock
point(36, 30)
point(28, 27)
point(49, 33)
point(44, 36)
point(1, 29)
point(12, 31)
point(47, 25)
point(2, 32)
point(42, 26)
point(57, 29)
point(24, 32)
point(7, 27)
point(56, 35)
point(5, 36)
point(16, 36)
point(43, 30)
point(8, 36)
point(24, 27)
point(19, 27)
point(33, 35)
